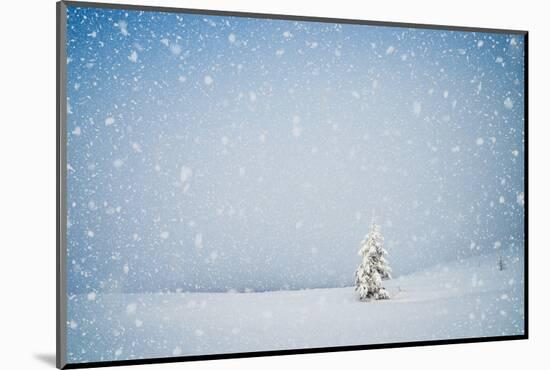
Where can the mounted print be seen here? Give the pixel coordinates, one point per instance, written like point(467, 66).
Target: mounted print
point(235, 184)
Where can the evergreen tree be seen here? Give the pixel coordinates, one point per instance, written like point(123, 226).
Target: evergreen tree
point(501, 264)
point(374, 266)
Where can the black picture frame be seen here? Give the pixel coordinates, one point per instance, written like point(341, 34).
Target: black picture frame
point(61, 186)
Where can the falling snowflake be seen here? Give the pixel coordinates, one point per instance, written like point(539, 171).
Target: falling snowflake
point(417, 108)
point(198, 241)
point(508, 104)
point(133, 57)
point(123, 27)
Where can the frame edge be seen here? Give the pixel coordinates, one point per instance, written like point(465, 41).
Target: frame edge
point(61, 250)
point(526, 183)
point(288, 17)
point(61, 187)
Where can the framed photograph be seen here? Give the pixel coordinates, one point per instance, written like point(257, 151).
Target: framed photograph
point(235, 184)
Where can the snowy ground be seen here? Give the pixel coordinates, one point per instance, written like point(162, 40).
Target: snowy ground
point(464, 299)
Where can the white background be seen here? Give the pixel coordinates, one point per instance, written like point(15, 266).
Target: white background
point(27, 195)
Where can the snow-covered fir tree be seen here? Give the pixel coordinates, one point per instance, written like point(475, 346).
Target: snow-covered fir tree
point(374, 267)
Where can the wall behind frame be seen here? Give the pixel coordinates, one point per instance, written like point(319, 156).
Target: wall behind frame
point(27, 155)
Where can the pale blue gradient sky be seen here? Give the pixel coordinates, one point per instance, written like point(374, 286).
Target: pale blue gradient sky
point(212, 153)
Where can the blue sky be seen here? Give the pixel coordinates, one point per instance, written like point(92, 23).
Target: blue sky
point(210, 153)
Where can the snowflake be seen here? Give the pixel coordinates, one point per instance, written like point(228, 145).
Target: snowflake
point(208, 80)
point(133, 57)
point(508, 104)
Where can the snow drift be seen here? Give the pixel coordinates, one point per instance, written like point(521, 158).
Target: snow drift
point(470, 298)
